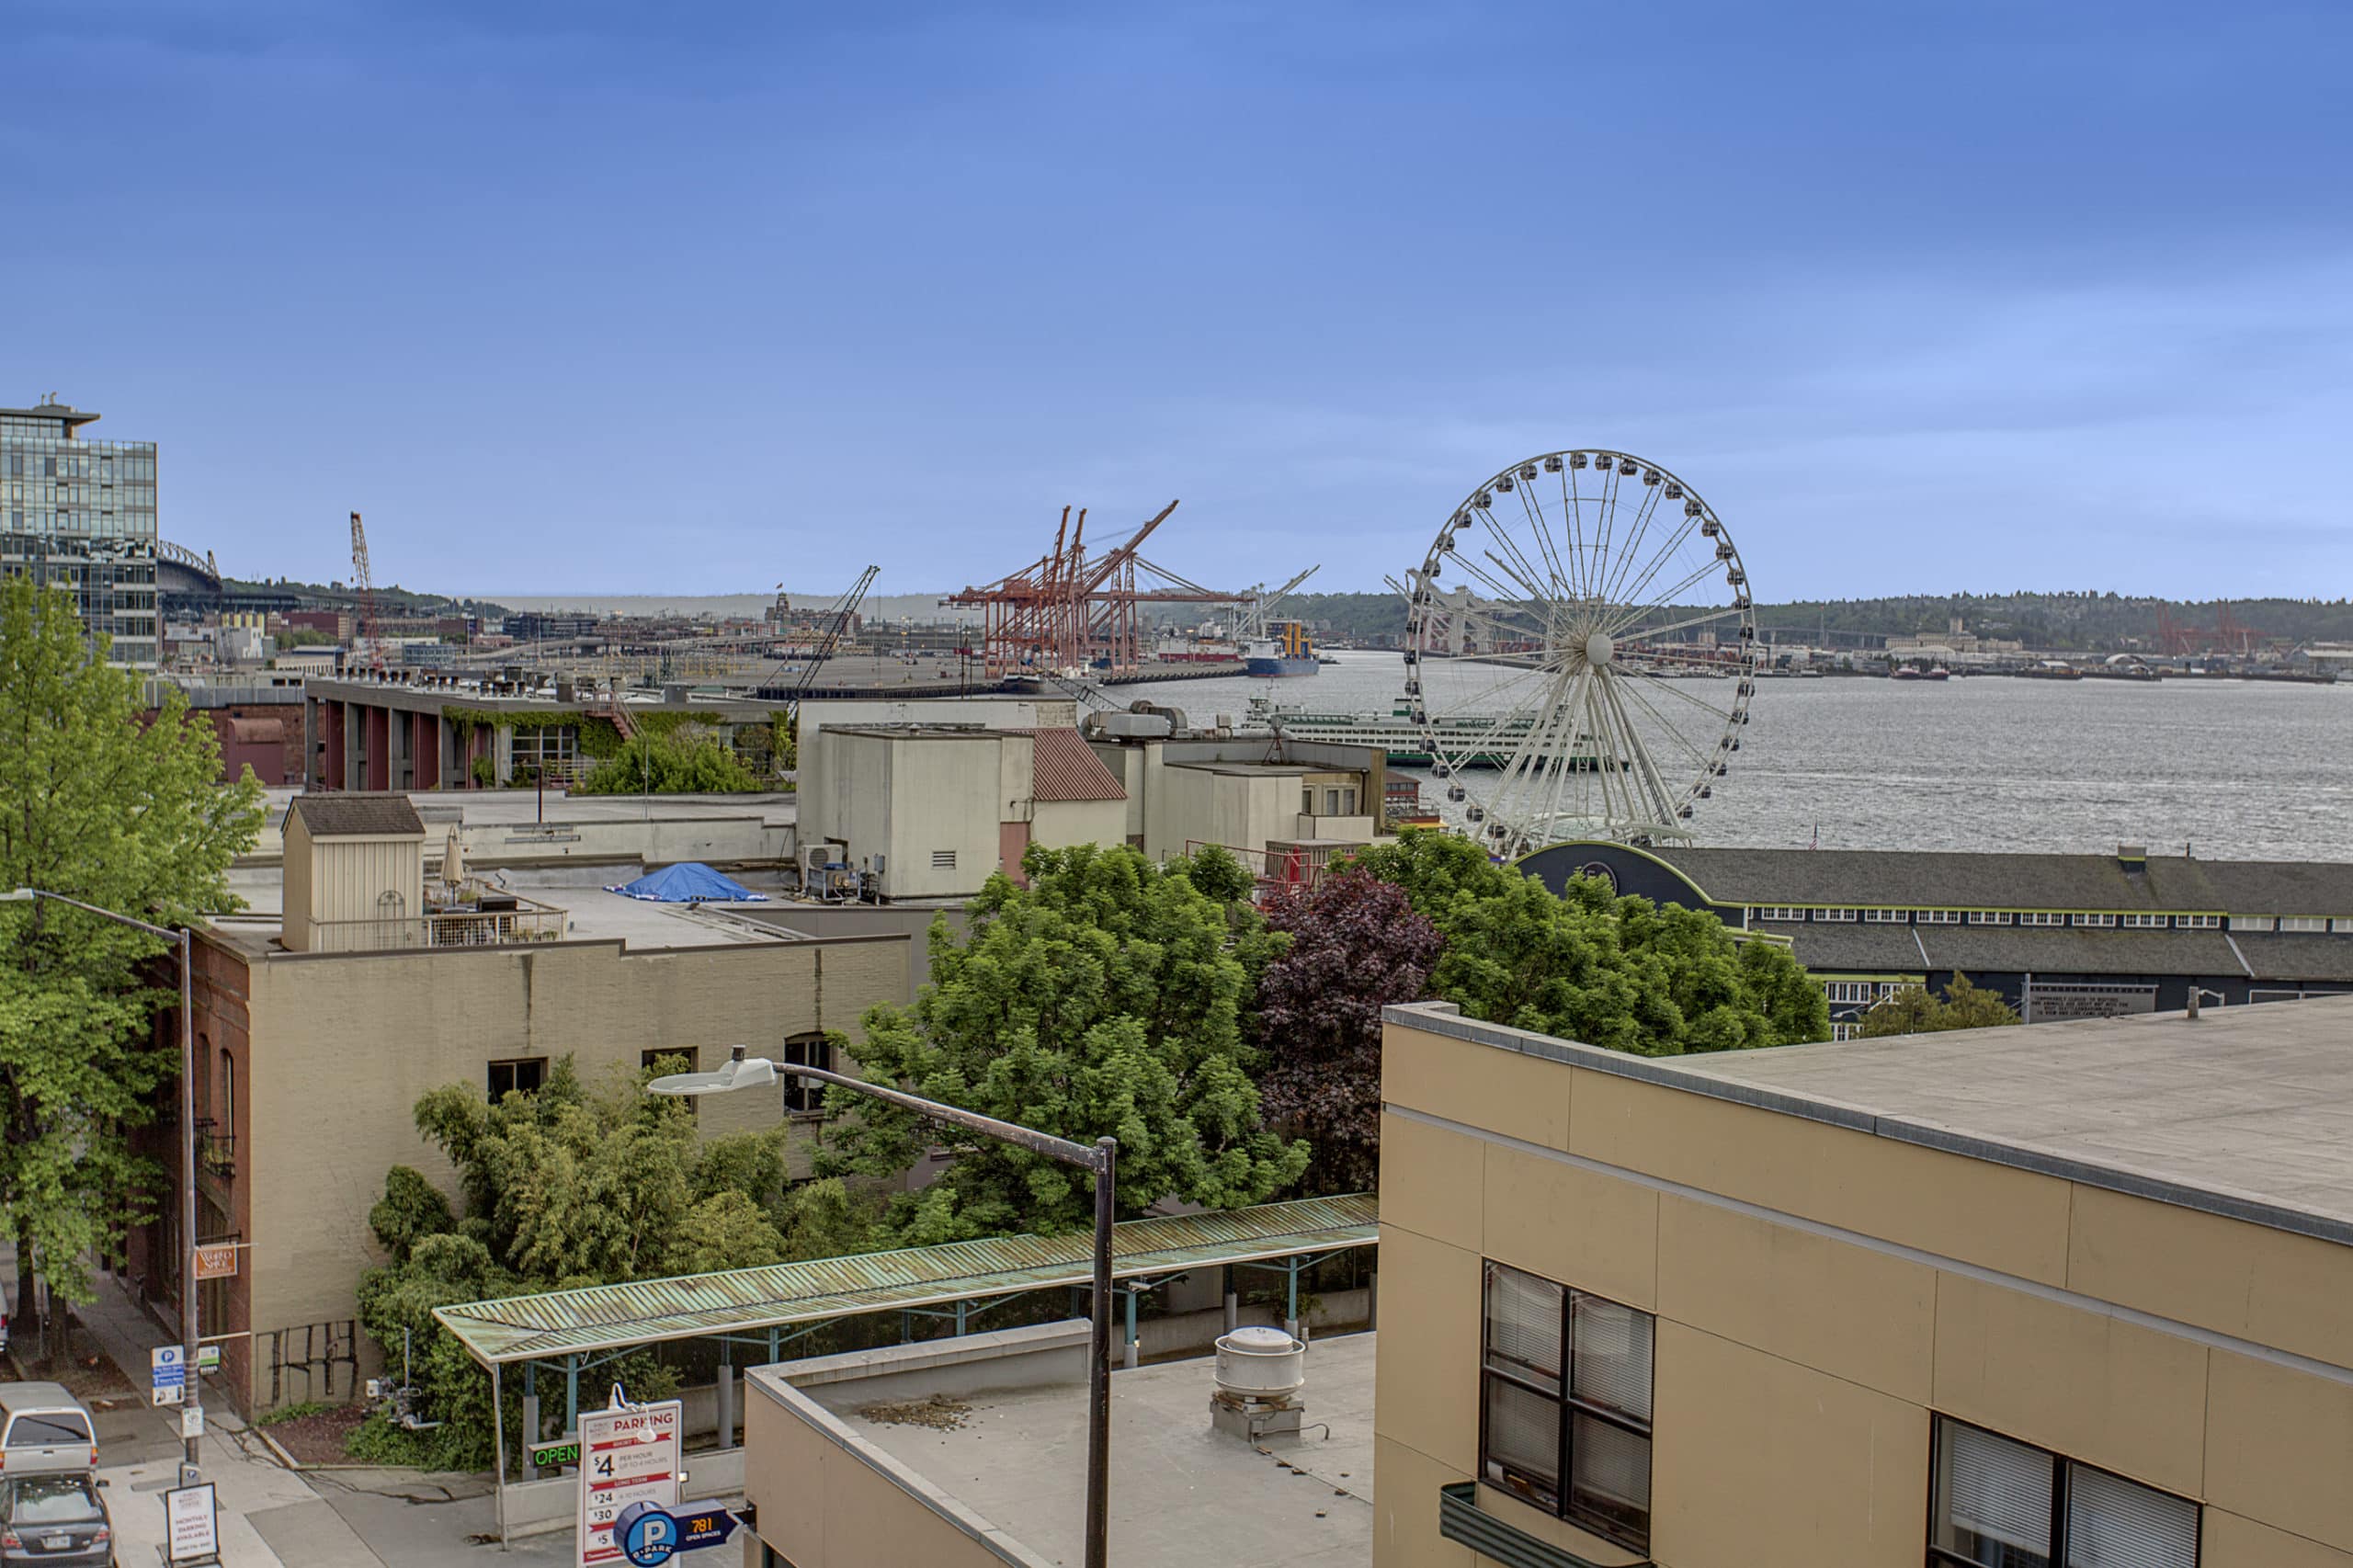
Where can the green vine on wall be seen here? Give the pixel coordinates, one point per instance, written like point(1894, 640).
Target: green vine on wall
point(594, 734)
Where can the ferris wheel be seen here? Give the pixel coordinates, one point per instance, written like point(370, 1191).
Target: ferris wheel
point(1580, 653)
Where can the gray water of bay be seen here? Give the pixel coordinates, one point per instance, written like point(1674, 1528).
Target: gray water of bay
point(2233, 770)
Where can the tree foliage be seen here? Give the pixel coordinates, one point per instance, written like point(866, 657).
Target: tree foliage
point(565, 1187)
point(98, 806)
point(1621, 973)
point(685, 760)
point(1916, 1010)
point(1107, 997)
point(1356, 946)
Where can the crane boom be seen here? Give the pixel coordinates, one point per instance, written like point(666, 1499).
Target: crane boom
point(363, 583)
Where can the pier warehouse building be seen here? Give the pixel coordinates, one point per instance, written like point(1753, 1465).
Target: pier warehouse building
point(2059, 936)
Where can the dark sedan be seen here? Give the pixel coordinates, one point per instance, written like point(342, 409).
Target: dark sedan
point(55, 1522)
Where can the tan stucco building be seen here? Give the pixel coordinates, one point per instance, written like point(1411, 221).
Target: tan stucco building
point(320, 1025)
point(2081, 1292)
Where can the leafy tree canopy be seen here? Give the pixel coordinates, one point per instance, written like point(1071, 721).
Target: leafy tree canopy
point(566, 1188)
point(1356, 946)
point(684, 760)
point(98, 806)
point(1621, 973)
point(1107, 997)
point(1917, 1010)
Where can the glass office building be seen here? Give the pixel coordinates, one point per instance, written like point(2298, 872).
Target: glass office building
point(81, 515)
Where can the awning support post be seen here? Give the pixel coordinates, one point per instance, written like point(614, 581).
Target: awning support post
point(498, 1440)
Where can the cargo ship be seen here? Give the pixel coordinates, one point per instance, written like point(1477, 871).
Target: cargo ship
point(1286, 650)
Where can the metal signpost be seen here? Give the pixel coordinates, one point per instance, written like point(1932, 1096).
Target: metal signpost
point(1102, 1160)
point(629, 1454)
point(192, 1526)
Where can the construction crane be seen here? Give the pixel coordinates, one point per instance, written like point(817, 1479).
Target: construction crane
point(363, 585)
point(1065, 611)
point(830, 627)
point(1262, 604)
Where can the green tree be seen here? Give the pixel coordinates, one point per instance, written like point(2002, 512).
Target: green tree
point(128, 816)
point(1916, 1010)
point(684, 760)
point(564, 1187)
point(1107, 997)
point(1618, 973)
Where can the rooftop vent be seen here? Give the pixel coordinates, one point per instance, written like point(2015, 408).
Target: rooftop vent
point(1260, 1374)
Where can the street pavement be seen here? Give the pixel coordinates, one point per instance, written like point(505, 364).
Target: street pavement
point(271, 1517)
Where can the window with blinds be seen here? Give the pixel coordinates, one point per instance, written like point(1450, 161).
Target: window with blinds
point(1565, 1403)
point(2002, 1504)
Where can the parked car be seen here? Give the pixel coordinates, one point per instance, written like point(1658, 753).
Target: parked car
point(44, 1431)
point(57, 1522)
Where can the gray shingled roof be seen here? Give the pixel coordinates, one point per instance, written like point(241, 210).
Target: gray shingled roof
point(356, 816)
point(1946, 879)
point(2297, 958)
point(2015, 949)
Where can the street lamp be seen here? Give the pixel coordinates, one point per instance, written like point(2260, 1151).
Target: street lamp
point(1101, 1159)
point(182, 939)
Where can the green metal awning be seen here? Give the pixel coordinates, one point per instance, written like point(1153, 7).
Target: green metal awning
point(745, 1301)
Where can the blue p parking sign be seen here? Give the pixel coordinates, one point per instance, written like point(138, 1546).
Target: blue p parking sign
point(649, 1536)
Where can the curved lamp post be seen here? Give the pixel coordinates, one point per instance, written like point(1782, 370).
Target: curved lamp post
point(1101, 1159)
point(181, 939)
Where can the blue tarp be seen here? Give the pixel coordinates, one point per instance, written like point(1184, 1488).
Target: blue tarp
point(689, 882)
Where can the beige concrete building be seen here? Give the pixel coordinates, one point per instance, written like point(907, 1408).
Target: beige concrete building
point(909, 809)
point(931, 811)
point(2079, 1292)
point(320, 1022)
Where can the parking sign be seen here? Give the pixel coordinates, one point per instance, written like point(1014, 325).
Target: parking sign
point(626, 1456)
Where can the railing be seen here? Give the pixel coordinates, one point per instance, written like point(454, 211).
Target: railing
point(216, 1152)
point(453, 928)
point(1460, 1519)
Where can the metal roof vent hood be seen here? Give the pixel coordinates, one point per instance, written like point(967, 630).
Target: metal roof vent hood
point(1260, 1374)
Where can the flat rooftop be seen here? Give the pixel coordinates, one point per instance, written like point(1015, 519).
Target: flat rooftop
point(577, 890)
point(1183, 1495)
point(2246, 1112)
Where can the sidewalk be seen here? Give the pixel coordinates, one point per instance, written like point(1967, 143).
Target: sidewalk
point(271, 1517)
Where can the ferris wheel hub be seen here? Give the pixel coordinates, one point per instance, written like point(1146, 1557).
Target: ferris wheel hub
point(1599, 648)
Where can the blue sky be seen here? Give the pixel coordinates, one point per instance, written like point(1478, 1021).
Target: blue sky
point(584, 297)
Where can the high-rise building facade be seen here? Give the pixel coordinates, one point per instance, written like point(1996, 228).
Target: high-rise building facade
point(81, 516)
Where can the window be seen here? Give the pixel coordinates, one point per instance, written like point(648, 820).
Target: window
point(226, 1115)
point(2145, 922)
point(2198, 922)
point(2094, 919)
point(1989, 917)
point(522, 1076)
point(1886, 917)
point(943, 859)
point(1779, 912)
point(1566, 1404)
point(2302, 923)
point(2003, 1505)
point(1847, 914)
point(2252, 923)
point(1844, 1031)
point(2043, 917)
point(1847, 990)
point(802, 1098)
point(1939, 917)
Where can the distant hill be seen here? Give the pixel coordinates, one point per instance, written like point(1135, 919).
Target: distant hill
point(2108, 623)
